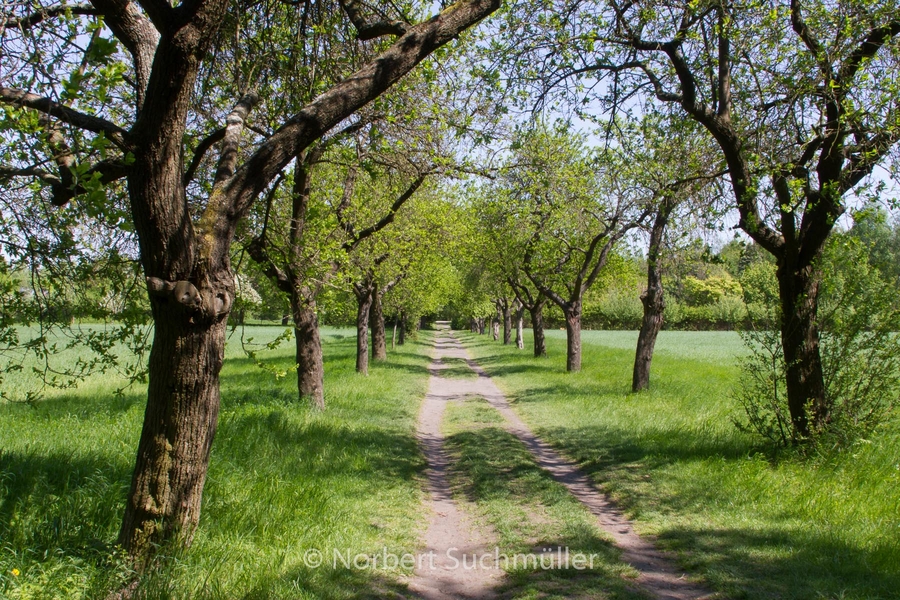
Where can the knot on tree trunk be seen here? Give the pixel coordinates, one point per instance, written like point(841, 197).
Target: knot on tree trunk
point(216, 304)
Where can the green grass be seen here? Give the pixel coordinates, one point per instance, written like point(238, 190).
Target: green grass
point(530, 512)
point(752, 527)
point(283, 479)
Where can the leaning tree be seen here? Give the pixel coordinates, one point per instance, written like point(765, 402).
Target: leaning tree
point(93, 108)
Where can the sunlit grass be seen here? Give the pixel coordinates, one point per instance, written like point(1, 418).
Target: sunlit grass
point(753, 527)
point(283, 480)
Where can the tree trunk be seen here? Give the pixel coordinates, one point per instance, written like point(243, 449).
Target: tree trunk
point(180, 419)
point(573, 336)
point(520, 317)
point(376, 322)
point(537, 327)
point(654, 304)
point(481, 325)
point(507, 323)
point(495, 328)
point(394, 334)
point(805, 381)
point(363, 305)
point(310, 367)
point(653, 301)
point(401, 338)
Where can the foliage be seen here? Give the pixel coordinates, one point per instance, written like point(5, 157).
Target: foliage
point(860, 318)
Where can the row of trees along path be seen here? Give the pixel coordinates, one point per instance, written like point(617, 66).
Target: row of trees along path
point(450, 528)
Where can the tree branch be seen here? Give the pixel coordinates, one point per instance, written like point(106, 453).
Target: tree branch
point(336, 104)
point(389, 217)
point(231, 139)
point(67, 115)
point(202, 148)
point(869, 48)
point(37, 17)
point(369, 29)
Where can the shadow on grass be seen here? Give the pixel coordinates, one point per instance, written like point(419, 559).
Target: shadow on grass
point(56, 503)
point(785, 563)
point(319, 447)
point(535, 515)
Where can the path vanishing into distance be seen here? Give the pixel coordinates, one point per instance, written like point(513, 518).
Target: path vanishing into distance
point(440, 576)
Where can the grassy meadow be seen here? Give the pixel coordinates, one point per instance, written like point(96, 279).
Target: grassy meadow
point(283, 480)
point(751, 525)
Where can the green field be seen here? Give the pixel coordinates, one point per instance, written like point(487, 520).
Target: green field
point(752, 526)
point(285, 479)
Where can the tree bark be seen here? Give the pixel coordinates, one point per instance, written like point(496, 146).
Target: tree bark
point(653, 300)
point(310, 367)
point(401, 336)
point(495, 328)
point(507, 321)
point(180, 419)
point(376, 323)
point(805, 381)
point(363, 306)
point(537, 327)
point(573, 336)
point(520, 317)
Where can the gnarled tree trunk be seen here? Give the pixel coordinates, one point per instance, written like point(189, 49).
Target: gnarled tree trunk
point(179, 424)
point(507, 321)
point(520, 317)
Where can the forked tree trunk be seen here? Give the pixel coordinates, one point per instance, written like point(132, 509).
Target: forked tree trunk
point(363, 306)
point(376, 323)
point(537, 327)
point(310, 367)
point(573, 336)
point(180, 419)
point(805, 381)
point(653, 301)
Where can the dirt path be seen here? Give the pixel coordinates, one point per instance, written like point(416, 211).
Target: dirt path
point(450, 527)
point(450, 535)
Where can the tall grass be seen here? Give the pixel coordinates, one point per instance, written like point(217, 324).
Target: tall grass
point(752, 526)
point(283, 480)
